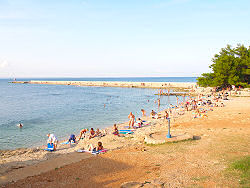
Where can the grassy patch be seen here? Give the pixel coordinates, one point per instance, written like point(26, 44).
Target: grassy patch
point(243, 167)
point(240, 168)
point(201, 179)
point(56, 168)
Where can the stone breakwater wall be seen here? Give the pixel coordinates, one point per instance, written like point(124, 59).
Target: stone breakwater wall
point(188, 85)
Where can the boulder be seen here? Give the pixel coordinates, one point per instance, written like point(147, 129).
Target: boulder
point(131, 185)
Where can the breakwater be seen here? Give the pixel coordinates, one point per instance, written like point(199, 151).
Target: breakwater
point(160, 85)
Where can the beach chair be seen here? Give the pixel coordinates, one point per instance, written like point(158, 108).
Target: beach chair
point(50, 147)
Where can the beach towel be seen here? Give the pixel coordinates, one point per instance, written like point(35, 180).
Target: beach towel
point(50, 147)
point(126, 130)
point(67, 142)
point(129, 132)
point(92, 152)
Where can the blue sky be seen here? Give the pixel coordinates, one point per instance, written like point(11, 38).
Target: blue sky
point(88, 38)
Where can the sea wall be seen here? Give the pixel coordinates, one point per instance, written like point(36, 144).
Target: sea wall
point(188, 85)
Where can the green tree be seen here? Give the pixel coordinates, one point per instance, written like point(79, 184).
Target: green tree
point(230, 67)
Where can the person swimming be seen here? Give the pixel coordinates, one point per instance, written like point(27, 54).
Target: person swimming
point(20, 125)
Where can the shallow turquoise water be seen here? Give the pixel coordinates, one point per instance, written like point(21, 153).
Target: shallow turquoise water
point(64, 110)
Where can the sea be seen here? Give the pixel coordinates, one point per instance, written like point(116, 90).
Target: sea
point(66, 109)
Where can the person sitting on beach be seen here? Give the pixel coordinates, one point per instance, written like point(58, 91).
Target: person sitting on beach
point(72, 138)
point(166, 114)
point(98, 148)
point(153, 114)
point(92, 133)
point(143, 112)
point(116, 132)
point(139, 122)
point(98, 133)
point(82, 132)
point(52, 140)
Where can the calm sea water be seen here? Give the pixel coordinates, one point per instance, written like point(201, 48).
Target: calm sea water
point(64, 110)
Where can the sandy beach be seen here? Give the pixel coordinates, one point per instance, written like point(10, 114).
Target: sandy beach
point(218, 138)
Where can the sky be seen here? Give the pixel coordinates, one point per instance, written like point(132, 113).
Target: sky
point(110, 38)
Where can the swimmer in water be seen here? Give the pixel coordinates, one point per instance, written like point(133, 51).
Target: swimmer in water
point(20, 125)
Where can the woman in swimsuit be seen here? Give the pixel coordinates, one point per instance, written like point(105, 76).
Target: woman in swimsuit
point(92, 133)
point(116, 132)
point(130, 116)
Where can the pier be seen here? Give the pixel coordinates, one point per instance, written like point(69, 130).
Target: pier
point(156, 85)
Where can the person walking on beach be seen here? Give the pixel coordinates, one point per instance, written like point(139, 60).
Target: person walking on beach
point(131, 119)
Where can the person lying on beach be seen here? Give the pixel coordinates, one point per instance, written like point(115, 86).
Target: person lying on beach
point(83, 132)
point(72, 138)
point(52, 140)
point(92, 133)
point(116, 132)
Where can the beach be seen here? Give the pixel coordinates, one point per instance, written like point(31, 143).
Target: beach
point(217, 139)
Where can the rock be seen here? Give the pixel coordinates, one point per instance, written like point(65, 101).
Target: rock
point(131, 185)
point(157, 182)
point(151, 186)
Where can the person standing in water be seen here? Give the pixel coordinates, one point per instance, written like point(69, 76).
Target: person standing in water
point(143, 112)
point(159, 102)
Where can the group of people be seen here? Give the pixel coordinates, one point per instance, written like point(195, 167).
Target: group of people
point(199, 105)
point(52, 139)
